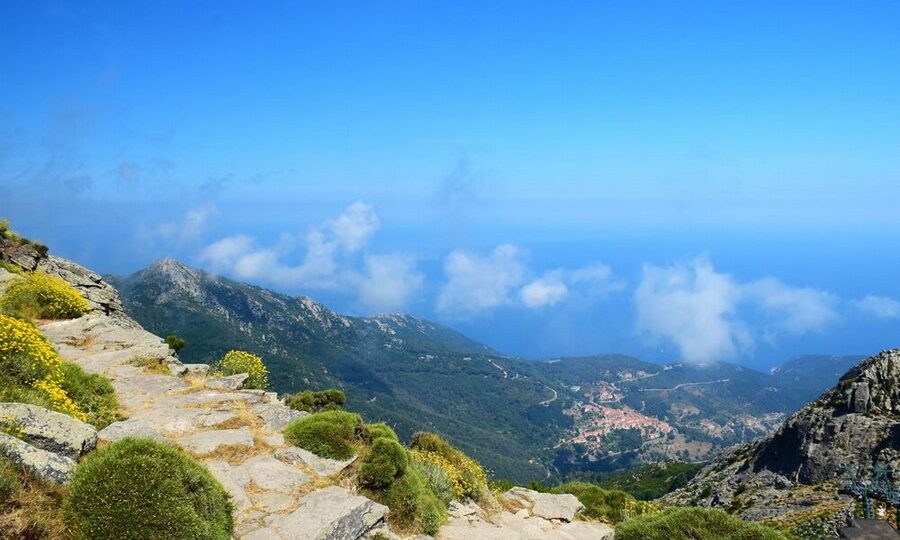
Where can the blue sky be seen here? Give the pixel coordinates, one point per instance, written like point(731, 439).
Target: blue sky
point(692, 180)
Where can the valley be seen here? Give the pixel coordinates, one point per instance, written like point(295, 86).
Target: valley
point(564, 417)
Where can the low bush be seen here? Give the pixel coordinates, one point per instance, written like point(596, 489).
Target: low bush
point(32, 369)
point(609, 505)
point(176, 343)
point(381, 430)
point(94, 395)
point(235, 362)
point(463, 470)
point(386, 461)
point(43, 296)
point(136, 489)
point(315, 401)
point(331, 434)
point(437, 477)
point(29, 508)
point(414, 507)
point(694, 523)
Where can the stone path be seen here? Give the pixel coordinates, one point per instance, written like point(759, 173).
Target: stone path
point(279, 492)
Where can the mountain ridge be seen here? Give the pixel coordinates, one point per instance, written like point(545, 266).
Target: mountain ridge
point(417, 374)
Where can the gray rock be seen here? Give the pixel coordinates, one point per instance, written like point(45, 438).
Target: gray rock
point(45, 465)
point(102, 296)
point(207, 442)
point(232, 382)
point(305, 458)
point(52, 431)
point(7, 278)
point(331, 513)
point(547, 505)
point(458, 509)
point(133, 427)
point(277, 415)
point(196, 370)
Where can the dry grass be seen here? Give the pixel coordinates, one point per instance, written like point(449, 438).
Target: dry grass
point(233, 454)
point(151, 365)
point(33, 512)
point(82, 342)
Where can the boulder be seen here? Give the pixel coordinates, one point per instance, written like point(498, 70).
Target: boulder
point(232, 382)
point(331, 513)
point(134, 427)
point(51, 431)
point(547, 505)
point(196, 370)
point(45, 465)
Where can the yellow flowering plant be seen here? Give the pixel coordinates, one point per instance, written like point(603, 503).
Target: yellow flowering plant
point(44, 296)
point(235, 362)
point(29, 359)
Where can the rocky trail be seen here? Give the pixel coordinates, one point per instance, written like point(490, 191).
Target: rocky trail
point(280, 492)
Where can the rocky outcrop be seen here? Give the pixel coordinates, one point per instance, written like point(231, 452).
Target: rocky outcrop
point(802, 465)
point(100, 295)
point(45, 465)
point(51, 431)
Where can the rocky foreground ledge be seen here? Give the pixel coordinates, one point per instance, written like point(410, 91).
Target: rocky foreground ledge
point(279, 492)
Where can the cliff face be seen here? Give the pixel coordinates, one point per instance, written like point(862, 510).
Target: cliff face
point(801, 466)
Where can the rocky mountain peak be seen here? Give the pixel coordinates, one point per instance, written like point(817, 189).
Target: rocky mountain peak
point(856, 423)
point(176, 277)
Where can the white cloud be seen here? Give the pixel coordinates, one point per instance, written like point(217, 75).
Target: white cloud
point(384, 281)
point(189, 228)
point(546, 291)
point(223, 254)
point(695, 307)
point(476, 283)
point(800, 309)
point(881, 307)
point(389, 281)
point(320, 268)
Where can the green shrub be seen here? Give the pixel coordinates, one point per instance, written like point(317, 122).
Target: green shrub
point(315, 401)
point(331, 434)
point(466, 473)
point(137, 489)
point(609, 505)
point(381, 430)
point(235, 362)
point(176, 343)
point(414, 508)
point(694, 523)
point(94, 395)
point(436, 477)
point(386, 460)
point(43, 296)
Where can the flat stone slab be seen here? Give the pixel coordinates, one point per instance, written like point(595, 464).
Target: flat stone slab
point(266, 473)
point(331, 513)
point(133, 427)
point(547, 505)
point(277, 415)
point(207, 442)
point(41, 463)
point(231, 382)
point(305, 458)
point(50, 430)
